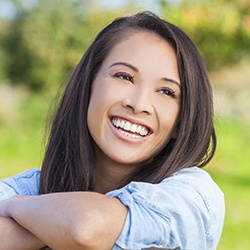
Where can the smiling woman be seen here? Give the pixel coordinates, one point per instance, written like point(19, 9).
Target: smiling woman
point(142, 97)
point(132, 131)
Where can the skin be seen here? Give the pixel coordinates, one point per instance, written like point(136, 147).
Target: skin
point(15, 237)
point(77, 220)
point(138, 82)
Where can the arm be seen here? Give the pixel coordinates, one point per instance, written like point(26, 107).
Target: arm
point(77, 220)
point(12, 235)
point(15, 237)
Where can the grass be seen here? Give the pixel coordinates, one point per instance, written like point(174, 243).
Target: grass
point(21, 144)
point(230, 169)
point(21, 148)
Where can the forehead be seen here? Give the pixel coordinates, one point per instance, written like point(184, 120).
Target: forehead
point(138, 41)
point(146, 51)
point(138, 38)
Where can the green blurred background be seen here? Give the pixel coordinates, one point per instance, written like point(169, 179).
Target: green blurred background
point(42, 41)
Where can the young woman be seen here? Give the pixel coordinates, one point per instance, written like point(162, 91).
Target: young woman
point(123, 163)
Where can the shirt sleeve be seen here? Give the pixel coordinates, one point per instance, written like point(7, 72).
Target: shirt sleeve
point(185, 211)
point(6, 191)
point(26, 183)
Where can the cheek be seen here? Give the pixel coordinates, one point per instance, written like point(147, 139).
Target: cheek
point(168, 116)
point(95, 116)
point(103, 92)
point(97, 96)
point(93, 110)
point(101, 100)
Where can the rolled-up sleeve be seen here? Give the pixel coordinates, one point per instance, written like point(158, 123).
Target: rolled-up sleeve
point(26, 183)
point(179, 212)
point(6, 191)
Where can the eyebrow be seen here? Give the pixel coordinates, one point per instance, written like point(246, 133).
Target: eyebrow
point(172, 80)
point(136, 70)
point(124, 64)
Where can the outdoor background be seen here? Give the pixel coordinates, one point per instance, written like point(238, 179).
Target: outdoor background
point(42, 41)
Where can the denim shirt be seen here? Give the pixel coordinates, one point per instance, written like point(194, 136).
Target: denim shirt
point(185, 211)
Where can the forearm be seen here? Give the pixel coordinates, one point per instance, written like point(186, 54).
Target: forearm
point(71, 220)
point(15, 237)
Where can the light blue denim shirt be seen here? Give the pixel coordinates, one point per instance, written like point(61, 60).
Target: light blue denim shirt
point(184, 211)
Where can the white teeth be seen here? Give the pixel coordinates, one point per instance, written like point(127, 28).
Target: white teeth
point(143, 131)
point(125, 125)
point(122, 123)
point(133, 128)
point(118, 123)
point(129, 135)
point(138, 130)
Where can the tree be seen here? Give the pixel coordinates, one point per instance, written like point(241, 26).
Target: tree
point(220, 29)
point(45, 43)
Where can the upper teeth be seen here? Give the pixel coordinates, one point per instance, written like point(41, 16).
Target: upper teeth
point(130, 126)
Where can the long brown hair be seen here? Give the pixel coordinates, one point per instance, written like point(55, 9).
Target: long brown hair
point(69, 162)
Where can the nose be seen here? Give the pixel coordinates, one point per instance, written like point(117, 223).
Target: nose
point(139, 102)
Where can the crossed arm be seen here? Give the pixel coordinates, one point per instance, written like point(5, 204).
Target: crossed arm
point(77, 220)
point(15, 237)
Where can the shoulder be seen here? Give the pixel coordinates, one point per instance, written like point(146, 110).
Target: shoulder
point(198, 186)
point(187, 208)
point(189, 183)
point(195, 180)
point(25, 183)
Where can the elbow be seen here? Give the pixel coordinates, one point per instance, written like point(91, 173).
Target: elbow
point(83, 240)
point(84, 237)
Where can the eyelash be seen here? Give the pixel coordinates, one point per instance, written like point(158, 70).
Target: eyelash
point(168, 91)
point(124, 76)
point(127, 77)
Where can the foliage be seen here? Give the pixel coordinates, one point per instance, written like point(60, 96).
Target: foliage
point(42, 45)
point(220, 29)
point(3, 55)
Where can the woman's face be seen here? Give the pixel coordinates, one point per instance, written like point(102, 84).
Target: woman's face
point(135, 100)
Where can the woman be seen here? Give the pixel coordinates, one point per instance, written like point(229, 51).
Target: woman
point(132, 131)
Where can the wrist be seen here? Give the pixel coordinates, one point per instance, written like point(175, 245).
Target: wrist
point(13, 204)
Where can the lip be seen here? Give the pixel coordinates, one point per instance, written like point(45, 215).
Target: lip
point(126, 138)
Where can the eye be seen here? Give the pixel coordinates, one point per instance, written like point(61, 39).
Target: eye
point(124, 76)
point(168, 91)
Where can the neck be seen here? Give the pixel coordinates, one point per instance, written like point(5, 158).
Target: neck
point(111, 175)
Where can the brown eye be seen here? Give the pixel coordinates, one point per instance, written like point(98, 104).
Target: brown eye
point(167, 91)
point(124, 76)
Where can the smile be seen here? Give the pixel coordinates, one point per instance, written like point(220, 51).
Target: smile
point(129, 129)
